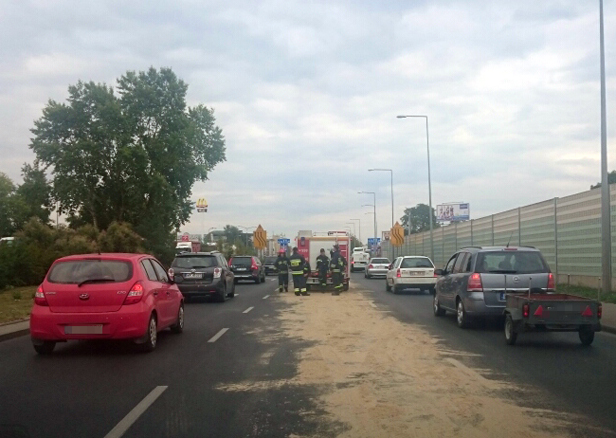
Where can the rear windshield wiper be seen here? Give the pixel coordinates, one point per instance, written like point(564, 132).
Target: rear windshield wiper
point(95, 280)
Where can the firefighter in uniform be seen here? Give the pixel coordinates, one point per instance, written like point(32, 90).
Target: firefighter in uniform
point(307, 272)
point(297, 263)
point(337, 266)
point(323, 268)
point(282, 266)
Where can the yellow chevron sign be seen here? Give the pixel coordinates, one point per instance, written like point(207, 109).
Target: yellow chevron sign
point(201, 205)
point(397, 235)
point(259, 238)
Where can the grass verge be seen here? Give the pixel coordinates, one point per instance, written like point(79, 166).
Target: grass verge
point(15, 304)
point(587, 292)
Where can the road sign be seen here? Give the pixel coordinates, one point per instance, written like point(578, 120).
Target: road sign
point(373, 241)
point(397, 235)
point(260, 238)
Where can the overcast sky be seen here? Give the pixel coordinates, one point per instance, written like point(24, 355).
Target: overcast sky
point(307, 93)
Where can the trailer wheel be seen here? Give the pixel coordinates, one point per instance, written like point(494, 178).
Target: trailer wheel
point(510, 334)
point(587, 335)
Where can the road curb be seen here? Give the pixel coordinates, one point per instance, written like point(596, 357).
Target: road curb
point(7, 332)
point(609, 329)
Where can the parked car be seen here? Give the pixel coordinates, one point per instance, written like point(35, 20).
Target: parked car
point(475, 280)
point(268, 265)
point(247, 268)
point(377, 267)
point(410, 272)
point(203, 274)
point(105, 296)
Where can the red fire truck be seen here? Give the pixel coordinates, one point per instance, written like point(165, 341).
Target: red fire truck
point(309, 245)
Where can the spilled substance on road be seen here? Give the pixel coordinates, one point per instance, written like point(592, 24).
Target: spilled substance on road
point(379, 377)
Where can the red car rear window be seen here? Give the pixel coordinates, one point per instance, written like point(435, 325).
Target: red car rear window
point(76, 271)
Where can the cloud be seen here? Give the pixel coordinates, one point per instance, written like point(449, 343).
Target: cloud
point(307, 94)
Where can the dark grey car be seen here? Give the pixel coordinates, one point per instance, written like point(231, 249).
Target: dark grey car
point(475, 280)
point(203, 274)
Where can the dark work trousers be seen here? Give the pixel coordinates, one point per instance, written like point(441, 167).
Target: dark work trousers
point(283, 281)
point(337, 278)
point(323, 277)
point(299, 282)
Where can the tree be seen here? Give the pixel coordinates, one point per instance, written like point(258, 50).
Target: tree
point(34, 195)
point(611, 179)
point(420, 219)
point(132, 157)
point(6, 191)
point(232, 234)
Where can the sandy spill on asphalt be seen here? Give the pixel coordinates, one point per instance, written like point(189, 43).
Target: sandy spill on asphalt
point(384, 378)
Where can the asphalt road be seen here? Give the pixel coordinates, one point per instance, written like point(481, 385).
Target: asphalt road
point(555, 370)
point(88, 389)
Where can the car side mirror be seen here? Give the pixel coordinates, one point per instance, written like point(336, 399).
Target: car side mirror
point(440, 272)
point(177, 279)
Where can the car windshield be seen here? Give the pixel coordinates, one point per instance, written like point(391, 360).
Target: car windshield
point(80, 271)
point(385, 261)
point(416, 263)
point(241, 261)
point(194, 262)
point(511, 262)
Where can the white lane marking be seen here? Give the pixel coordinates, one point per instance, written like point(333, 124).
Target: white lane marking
point(218, 335)
point(133, 415)
point(372, 304)
point(266, 297)
point(236, 295)
point(248, 310)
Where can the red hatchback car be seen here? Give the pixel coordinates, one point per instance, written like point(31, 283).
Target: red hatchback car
point(105, 296)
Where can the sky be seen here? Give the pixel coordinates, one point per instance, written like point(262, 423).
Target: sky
point(307, 94)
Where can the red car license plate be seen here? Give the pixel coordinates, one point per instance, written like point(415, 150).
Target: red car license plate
point(83, 329)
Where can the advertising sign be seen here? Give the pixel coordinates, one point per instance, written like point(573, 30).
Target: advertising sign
point(452, 212)
point(386, 235)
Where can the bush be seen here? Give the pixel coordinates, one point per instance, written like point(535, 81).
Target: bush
point(16, 295)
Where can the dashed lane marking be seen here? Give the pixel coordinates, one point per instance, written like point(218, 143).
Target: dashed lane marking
point(133, 415)
point(266, 297)
point(218, 335)
point(248, 310)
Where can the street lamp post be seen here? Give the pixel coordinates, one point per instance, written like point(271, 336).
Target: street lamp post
point(374, 205)
point(606, 235)
point(392, 190)
point(359, 228)
point(429, 179)
point(351, 223)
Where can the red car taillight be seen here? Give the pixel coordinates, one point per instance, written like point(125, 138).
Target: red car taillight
point(474, 283)
point(398, 273)
point(599, 311)
point(370, 266)
point(135, 294)
point(217, 272)
point(525, 310)
point(551, 282)
point(39, 297)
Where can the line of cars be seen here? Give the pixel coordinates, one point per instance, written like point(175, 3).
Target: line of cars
point(129, 296)
point(497, 281)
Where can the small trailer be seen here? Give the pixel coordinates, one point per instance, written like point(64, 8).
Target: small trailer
point(551, 312)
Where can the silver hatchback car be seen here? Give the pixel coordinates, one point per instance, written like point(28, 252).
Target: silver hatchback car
point(475, 280)
point(377, 267)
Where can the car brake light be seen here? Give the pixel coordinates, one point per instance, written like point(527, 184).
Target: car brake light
point(587, 311)
point(39, 297)
point(135, 294)
point(539, 311)
point(370, 266)
point(217, 272)
point(474, 283)
point(525, 310)
point(599, 311)
point(398, 273)
point(551, 283)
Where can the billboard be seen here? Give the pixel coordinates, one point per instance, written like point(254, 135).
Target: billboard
point(385, 235)
point(452, 212)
